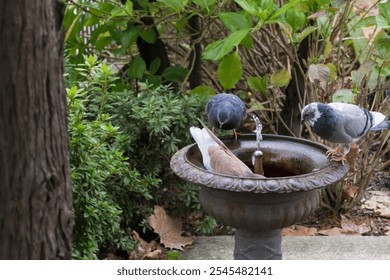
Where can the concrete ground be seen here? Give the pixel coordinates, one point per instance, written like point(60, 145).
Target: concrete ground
point(299, 248)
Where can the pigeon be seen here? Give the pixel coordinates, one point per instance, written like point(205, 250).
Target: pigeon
point(225, 111)
point(217, 157)
point(342, 123)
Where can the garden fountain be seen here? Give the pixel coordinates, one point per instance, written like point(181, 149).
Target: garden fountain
point(295, 170)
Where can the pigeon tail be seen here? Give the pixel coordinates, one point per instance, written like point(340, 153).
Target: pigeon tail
point(381, 125)
point(204, 141)
point(378, 118)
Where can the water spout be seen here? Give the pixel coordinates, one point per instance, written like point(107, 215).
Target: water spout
point(257, 157)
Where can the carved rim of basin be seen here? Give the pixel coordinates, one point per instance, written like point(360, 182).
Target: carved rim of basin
point(290, 164)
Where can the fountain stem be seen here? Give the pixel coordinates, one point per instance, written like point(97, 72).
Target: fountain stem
point(258, 245)
point(258, 162)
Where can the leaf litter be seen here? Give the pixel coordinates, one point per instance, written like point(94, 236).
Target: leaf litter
point(372, 217)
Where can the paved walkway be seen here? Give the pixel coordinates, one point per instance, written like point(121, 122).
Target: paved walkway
point(299, 248)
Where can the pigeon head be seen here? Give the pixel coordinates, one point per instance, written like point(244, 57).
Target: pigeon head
point(225, 111)
point(311, 113)
point(323, 119)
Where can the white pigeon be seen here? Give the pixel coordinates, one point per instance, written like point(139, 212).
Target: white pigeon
point(217, 157)
point(342, 123)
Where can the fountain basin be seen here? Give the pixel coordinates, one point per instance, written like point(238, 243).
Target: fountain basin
point(295, 170)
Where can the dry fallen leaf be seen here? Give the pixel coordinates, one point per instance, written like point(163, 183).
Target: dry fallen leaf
point(297, 230)
point(145, 250)
point(349, 191)
point(379, 202)
point(350, 227)
point(332, 232)
point(168, 229)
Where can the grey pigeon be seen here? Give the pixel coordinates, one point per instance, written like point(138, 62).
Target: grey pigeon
point(342, 123)
point(225, 111)
point(217, 157)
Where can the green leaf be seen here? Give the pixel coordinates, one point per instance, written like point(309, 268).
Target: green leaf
point(280, 78)
point(323, 23)
point(328, 48)
point(234, 21)
point(203, 90)
point(118, 12)
point(176, 5)
point(155, 80)
point(382, 42)
point(155, 65)
point(382, 22)
point(205, 4)
point(182, 24)
point(137, 68)
point(296, 19)
point(129, 7)
point(384, 10)
point(283, 9)
point(364, 70)
point(306, 32)
point(255, 83)
point(72, 26)
point(129, 37)
point(343, 95)
point(148, 35)
point(366, 22)
point(359, 41)
point(333, 71)
point(229, 70)
point(103, 40)
point(248, 6)
point(220, 48)
point(175, 73)
point(247, 42)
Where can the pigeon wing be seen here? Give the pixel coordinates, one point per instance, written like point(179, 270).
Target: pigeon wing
point(355, 121)
point(204, 141)
point(217, 157)
point(227, 163)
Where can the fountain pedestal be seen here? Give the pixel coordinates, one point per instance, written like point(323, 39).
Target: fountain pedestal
point(258, 245)
point(295, 171)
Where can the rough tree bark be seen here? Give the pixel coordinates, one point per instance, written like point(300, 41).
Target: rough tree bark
point(35, 193)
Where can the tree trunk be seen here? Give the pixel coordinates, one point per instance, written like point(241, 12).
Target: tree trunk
point(36, 216)
point(195, 78)
point(295, 91)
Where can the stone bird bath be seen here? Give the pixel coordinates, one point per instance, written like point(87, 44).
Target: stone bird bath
point(295, 171)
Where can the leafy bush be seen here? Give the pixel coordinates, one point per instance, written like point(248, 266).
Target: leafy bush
point(121, 143)
point(105, 190)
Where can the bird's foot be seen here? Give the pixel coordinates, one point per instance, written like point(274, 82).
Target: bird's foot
point(336, 154)
point(235, 134)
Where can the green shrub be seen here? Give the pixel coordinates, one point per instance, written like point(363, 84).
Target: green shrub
point(121, 143)
point(105, 190)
